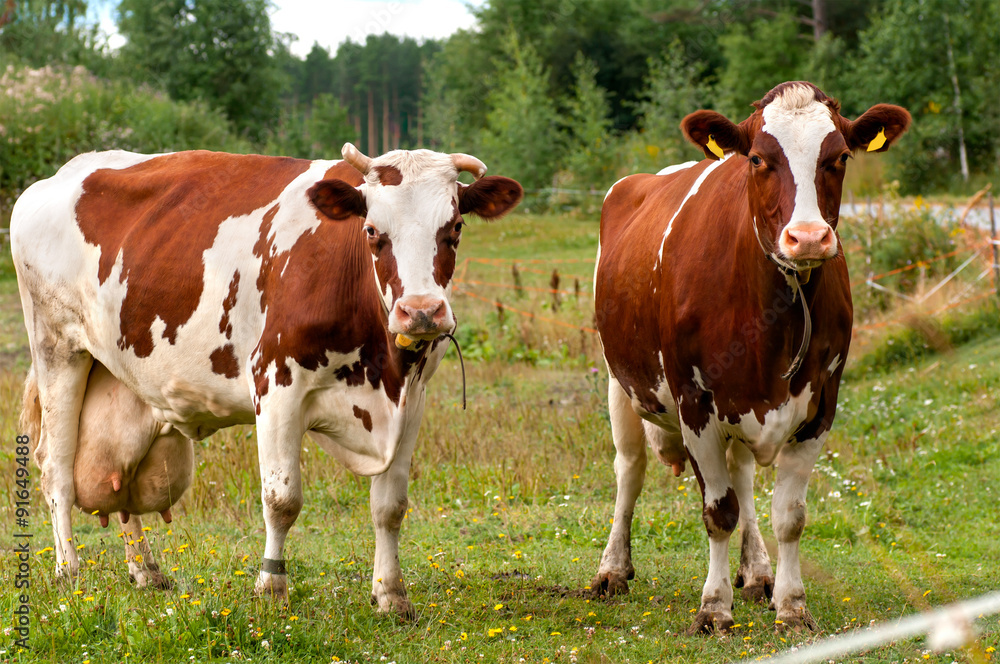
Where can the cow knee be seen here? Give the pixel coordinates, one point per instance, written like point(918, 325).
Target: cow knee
point(722, 514)
point(388, 511)
point(788, 525)
point(283, 505)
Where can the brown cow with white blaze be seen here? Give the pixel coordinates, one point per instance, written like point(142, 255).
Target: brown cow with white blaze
point(703, 277)
point(300, 296)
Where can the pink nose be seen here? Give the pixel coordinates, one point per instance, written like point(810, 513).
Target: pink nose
point(421, 315)
point(809, 241)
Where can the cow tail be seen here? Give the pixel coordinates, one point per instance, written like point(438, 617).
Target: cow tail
point(30, 424)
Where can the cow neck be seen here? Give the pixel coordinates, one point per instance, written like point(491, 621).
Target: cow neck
point(792, 276)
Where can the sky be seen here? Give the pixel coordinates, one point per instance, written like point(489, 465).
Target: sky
point(332, 22)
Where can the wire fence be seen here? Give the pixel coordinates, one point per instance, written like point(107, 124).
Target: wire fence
point(948, 628)
point(582, 283)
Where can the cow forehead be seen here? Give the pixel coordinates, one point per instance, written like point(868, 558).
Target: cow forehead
point(411, 189)
point(799, 122)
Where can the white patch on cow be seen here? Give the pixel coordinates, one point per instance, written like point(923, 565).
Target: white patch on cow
point(691, 192)
point(800, 124)
point(677, 167)
point(698, 378)
point(833, 365)
point(765, 439)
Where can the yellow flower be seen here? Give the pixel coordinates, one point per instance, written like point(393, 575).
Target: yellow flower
point(195, 602)
point(225, 612)
point(88, 598)
point(556, 634)
point(239, 572)
point(498, 607)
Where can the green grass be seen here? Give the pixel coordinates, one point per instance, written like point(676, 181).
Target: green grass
point(509, 512)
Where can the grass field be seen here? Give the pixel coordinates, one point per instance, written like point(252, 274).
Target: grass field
point(509, 511)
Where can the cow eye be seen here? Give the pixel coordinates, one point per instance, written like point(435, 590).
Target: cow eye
point(756, 160)
point(458, 227)
point(371, 232)
point(844, 157)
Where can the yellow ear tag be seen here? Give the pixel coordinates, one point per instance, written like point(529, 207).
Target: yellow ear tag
point(878, 141)
point(714, 147)
point(403, 341)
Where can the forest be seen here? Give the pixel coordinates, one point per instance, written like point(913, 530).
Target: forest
point(564, 95)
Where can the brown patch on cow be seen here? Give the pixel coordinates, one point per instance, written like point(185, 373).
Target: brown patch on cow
point(166, 212)
point(225, 325)
point(224, 361)
point(447, 240)
point(364, 416)
point(352, 374)
point(723, 514)
point(388, 273)
point(388, 175)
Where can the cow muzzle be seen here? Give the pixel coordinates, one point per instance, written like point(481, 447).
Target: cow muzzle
point(808, 244)
point(421, 317)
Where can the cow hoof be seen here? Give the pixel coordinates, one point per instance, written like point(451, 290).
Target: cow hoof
point(759, 589)
point(272, 586)
point(795, 620)
point(397, 605)
point(156, 580)
point(710, 622)
point(609, 584)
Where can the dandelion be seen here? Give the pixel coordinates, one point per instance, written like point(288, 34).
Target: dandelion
point(225, 612)
point(498, 607)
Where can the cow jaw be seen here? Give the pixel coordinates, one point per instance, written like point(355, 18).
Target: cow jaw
point(800, 124)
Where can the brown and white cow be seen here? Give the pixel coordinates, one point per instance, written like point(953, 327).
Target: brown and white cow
point(700, 273)
point(302, 296)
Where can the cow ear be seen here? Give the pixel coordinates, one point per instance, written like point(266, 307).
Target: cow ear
point(715, 134)
point(490, 197)
point(877, 128)
point(337, 199)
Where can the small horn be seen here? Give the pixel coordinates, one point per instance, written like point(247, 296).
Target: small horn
point(356, 158)
point(469, 164)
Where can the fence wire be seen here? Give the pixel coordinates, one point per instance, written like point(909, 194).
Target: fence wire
point(948, 628)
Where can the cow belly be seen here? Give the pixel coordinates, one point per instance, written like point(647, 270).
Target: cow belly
point(125, 458)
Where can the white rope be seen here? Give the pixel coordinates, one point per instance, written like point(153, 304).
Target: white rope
point(947, 628)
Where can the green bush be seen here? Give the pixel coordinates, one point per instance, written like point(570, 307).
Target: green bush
point(49, 115)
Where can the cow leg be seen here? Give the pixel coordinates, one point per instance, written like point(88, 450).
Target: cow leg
point(62, 382)
point(279, 445)
point(142, 567)
point(754, 575)
point(788, 515)
point(720, 512)
point(388, 506)
point(616, 567)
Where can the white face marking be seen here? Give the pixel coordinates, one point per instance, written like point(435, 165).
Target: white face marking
point(800, 130)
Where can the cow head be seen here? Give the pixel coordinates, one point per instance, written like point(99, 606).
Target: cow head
point(797, 146)
point(412, 205)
